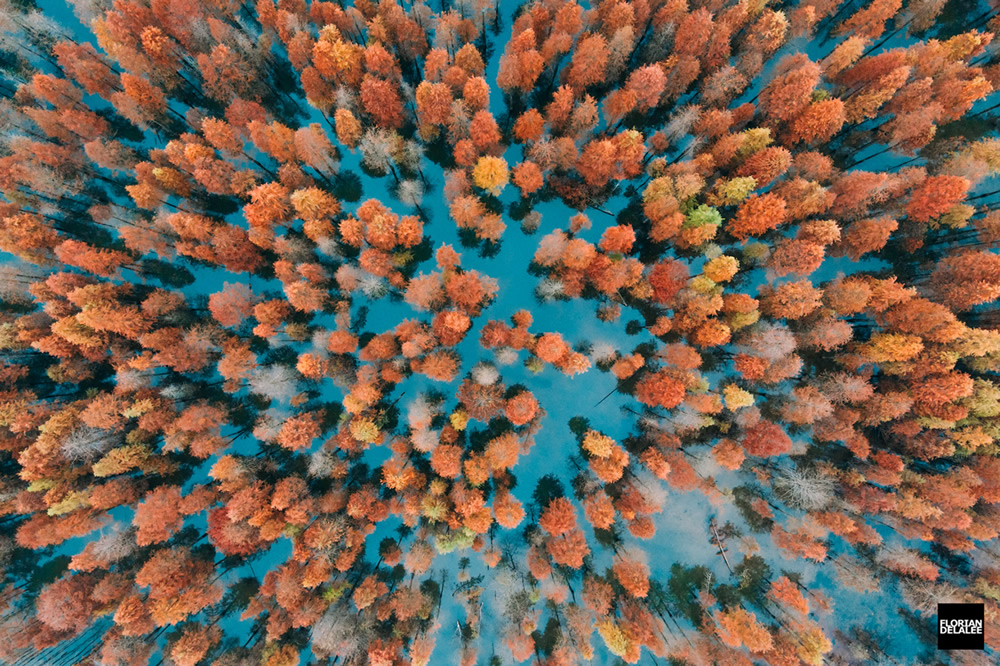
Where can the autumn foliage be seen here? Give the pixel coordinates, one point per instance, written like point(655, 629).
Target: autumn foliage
point(596, 329)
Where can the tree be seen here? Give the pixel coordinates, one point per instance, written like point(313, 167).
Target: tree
point(935, 196)
point(508, 511)
point(299, 431)
point(368, 591)
point(569, 549)
point(483, 130)
point(633, 575)
point(231, 305)
point(819, 121)
point(660, 389)
point(597, 162)
point(868, 235)
point(791, 300)
point(490, 174)
point(193, 644)
point(139, 100)
point(789, 93)
point(728, 454)
point(179, 585)
point(787, 595)
point(766, 439)
point(521, 63)
point(528, 177)
point(158, 516)
point(590, 61)
point(737, 627)
point(381, 101)
point(66, 604)
point(94, 260)
point(870, 21)
point(521, 409)
point(667, 278)
point(758, 215)
point(647, 85)
point(558, 517)
point(529, 126)
point(967, 279)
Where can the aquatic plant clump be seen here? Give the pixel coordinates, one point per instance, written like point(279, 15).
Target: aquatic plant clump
point(479, 333)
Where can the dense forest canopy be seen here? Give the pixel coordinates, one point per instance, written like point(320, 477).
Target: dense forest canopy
point(468, 332)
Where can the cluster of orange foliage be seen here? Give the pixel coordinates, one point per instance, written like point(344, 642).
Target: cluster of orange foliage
point(190, 386)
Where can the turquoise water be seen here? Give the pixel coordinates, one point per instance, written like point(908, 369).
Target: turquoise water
point(682, 528)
